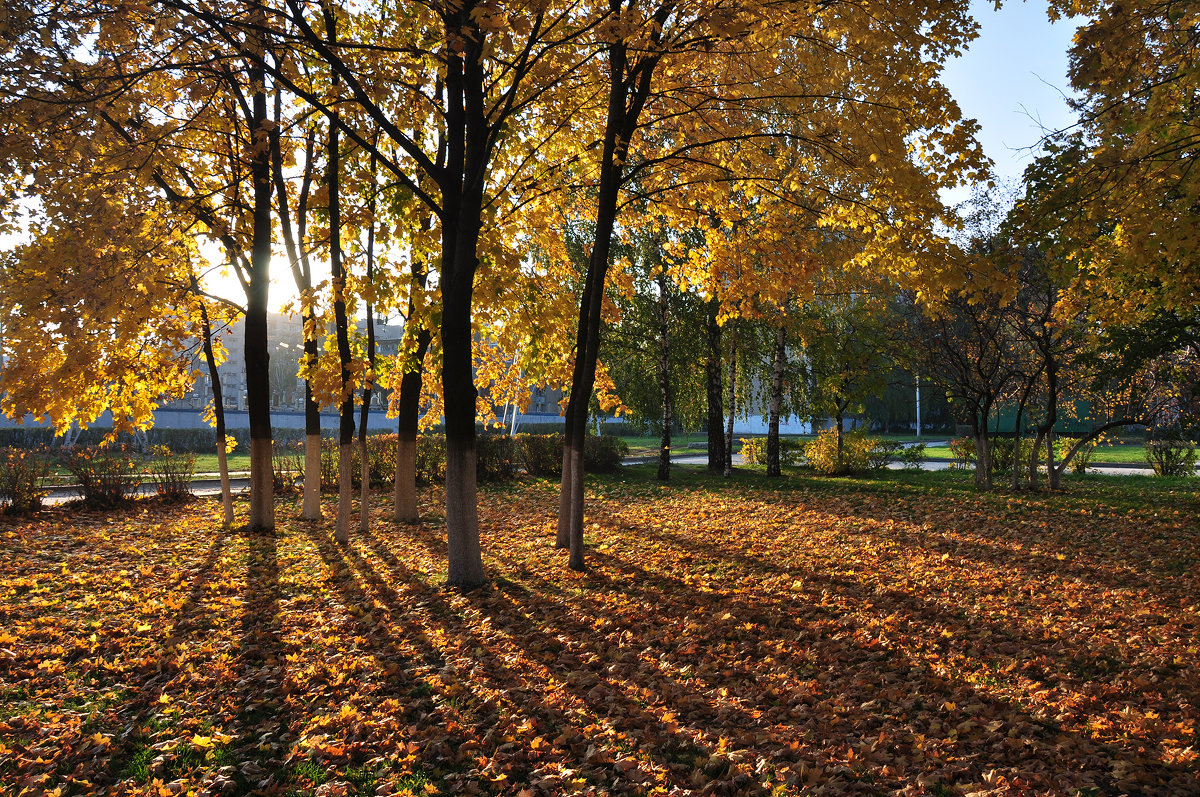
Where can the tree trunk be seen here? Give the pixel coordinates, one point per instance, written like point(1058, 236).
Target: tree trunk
point(983, 452)
point(626, 98)
point(341, 328)
point(716, 414)
point(664, 375)
point(364, 495)
point(364, 482)
point(405, 508)
point(465, 560)
point(1035, 451)
point(732, 405)
point(214, 377)
point(257, 355)
point(841, 439)
point(776, 401)
point(311, 505)
point(1053, 476)
point(296, 246)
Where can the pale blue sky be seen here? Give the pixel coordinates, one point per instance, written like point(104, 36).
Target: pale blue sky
point(1012, 80)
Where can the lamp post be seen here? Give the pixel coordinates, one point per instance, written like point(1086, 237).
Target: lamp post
point(918, 406)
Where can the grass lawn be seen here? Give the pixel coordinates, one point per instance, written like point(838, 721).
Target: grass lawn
point(1118, 453)
point(895, 635)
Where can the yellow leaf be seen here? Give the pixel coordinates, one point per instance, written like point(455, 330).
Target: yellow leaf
point(203, 742)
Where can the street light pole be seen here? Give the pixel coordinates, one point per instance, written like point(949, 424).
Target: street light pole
point(918, 406)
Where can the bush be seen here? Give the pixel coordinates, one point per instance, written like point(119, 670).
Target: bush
point(172, 472)
point(431, 458)
point(381, 458)
point(963, 451)
point(106, 475)
point(287, 467)
point(329, 463)
point(882, 453)
point(601, 454)
point(494, 458)
point(754, 451)
point(22, 476)
point(913, 456)
point(857, 446)
point(1171, 457)
point(541, 454)
point(1083, 457)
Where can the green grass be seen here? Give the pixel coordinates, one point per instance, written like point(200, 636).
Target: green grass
point(1121, 493)
point(207, 463)
point(1119, 453)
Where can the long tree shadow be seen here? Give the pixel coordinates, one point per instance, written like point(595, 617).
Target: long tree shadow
point(263, 717)
point(541, 701)
point(855, 691)
point(188, 623)
point(914, 618)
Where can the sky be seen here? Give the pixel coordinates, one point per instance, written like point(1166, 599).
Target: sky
point(1012, 80)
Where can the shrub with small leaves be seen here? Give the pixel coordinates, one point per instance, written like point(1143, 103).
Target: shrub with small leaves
point(172, 472)
point(883, 453)
point(963, 451)
point(381, 458)
point(495, 458)
point(602, 454)
point(822, 452)
point(106, 475)
point(541, 454)
point(431, 458)
point(754, 450)
point(287, 467)
point(1171, 457)
point(22, 476)
point(1083, 456)
point(913, 456)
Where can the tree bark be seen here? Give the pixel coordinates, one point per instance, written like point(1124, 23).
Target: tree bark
point(297, 249)
point(341, 324)
point(405, 508)
point(256, 352)
point(364, 483)
point(627, 95)
point(732, 404)
point(983, 452)
point(1046, 429)
point(716, 414)
point(214, 376)
point(664, 374)
point(776, 402)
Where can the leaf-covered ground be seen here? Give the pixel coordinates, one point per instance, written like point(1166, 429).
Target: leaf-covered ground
point(904, 637)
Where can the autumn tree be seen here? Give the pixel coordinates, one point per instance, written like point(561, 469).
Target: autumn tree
point(116, 110)
point(847, 344)
point(1120, 192)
